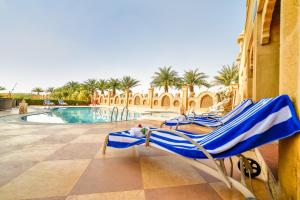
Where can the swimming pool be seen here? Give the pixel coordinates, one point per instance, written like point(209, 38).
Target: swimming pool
point(79, 115)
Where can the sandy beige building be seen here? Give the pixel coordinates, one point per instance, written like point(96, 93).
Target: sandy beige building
point(164, 101)
point(269, 63)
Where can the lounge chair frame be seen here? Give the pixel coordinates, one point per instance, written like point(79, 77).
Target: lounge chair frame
point(218, 170)
point(191, 122)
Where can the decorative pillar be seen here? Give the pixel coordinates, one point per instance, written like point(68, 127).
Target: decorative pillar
point(234, 87)
point(109, 97)
point(126, 98)
point(185, 97)
point(289, 83)
point(95, 97)
point(150, 97)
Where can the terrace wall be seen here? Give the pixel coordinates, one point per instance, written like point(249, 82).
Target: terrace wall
point(164, 101)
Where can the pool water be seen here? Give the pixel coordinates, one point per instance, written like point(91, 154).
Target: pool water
point(79, 115)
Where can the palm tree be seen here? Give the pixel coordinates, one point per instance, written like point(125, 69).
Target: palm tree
point(127, 83)
point(227, 75)
point(114, 85)
point(72, 85)
point(102, 85)
point(2, 88)
point(194, 78)
point(90, 85)
point(166, 77)
point(50, 89)
point(38, 90)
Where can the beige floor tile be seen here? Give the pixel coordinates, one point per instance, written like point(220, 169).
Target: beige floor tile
point(125, 195)
point(31, 153)
point(73, 151)
point(23, 139)
point(90, 138)
point(114, 152)
point(165, 171)
point(225, 192)
point(18, 131)
point(260, 190)
point(12, 169)
point(110, 175)
point(57, 139)
point(72, 130)
point(46, 179)
point(186, 192)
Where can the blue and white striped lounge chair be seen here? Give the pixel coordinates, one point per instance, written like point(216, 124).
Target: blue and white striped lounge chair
point(210, 120)
point(266, 121)
point(48, 103)
point(62, 103)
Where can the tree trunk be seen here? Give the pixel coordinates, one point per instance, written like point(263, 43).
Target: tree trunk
point(191, 87)
point(166, 88)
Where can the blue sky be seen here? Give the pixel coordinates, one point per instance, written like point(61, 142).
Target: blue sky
point(47, 43)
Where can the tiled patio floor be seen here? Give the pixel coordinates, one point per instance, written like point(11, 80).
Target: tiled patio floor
point(57, 162)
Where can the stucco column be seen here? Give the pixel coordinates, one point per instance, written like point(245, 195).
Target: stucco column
point(150, 97)
point(109, 97)
point(185, 97)
point(95, 97)
point(266, 57)
point(126, 98)
point(289, 149)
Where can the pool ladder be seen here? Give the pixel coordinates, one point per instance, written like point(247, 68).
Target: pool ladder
point(124, 109)
point(112, 114)
point(115, 112)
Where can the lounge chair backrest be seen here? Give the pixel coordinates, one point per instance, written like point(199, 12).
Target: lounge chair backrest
point(237, 110)
point(266, 121)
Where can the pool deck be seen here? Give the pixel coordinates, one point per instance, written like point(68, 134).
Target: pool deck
point(55, 162)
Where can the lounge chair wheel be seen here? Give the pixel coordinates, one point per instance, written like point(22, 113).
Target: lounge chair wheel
point(256, 169)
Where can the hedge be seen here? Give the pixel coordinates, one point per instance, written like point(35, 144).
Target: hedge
point(41, 101)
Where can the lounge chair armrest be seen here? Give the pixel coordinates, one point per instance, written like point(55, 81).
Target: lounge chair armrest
point(207, 114)
point(206, 153)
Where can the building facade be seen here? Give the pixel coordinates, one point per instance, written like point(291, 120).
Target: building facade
point(164, 101)
point(269, 61)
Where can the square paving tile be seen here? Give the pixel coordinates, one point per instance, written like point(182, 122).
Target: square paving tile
point(31, 153)
point(165, 171)
point(71, 130)
point(125, 195)
point(110, 175)
point(46, 179)
point(57, 139)
point(23, 139)
point(17, 131)
point(225, 192)
point(76, 151)
point(99, 130)
point(4, 149)
point(188, 192)
point(49, 198)
point(114, 153)
point(11, 169)
point(90, 138)
point(141, 151)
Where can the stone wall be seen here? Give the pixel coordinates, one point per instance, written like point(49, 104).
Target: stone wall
point(164, 101)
